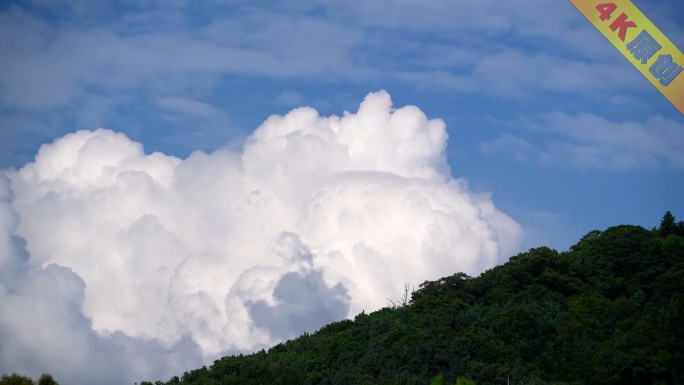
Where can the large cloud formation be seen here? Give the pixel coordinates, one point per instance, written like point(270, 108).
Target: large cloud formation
point(142, 265)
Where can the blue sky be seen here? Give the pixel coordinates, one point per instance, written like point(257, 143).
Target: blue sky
point(328, 217)
point(540, 109)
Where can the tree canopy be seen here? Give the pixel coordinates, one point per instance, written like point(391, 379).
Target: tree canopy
point(17, 379)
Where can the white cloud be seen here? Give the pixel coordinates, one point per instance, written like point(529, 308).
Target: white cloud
point(43, 327)
point(170, 258)
point(54, 63)
point(585, 140)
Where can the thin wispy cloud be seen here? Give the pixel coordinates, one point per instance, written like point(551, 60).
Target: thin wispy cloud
point(52, 63)
point(588, 141)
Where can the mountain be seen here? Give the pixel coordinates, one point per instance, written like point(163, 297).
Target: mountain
point(608, 311)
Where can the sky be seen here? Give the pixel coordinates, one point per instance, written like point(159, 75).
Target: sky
point(183, 180)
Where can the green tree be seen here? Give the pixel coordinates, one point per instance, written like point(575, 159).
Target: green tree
point(15, 379)
point(47, 379)
point(668, 225)
point(437, 380)
point(464, 381)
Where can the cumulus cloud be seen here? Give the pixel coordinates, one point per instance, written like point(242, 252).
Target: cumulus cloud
point(123, 255)
point(43, 327)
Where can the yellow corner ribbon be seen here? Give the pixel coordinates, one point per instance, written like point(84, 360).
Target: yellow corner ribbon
point(641, 43)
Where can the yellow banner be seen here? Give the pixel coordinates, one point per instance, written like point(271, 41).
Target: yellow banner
point(641, 43)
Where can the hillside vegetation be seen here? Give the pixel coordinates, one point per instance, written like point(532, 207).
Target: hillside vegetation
point(608, 311)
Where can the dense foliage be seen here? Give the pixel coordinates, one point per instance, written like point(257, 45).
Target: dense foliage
point(17, 379)
point(608, 311)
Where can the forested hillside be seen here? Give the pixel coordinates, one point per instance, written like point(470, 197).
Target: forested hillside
point(608, 311)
